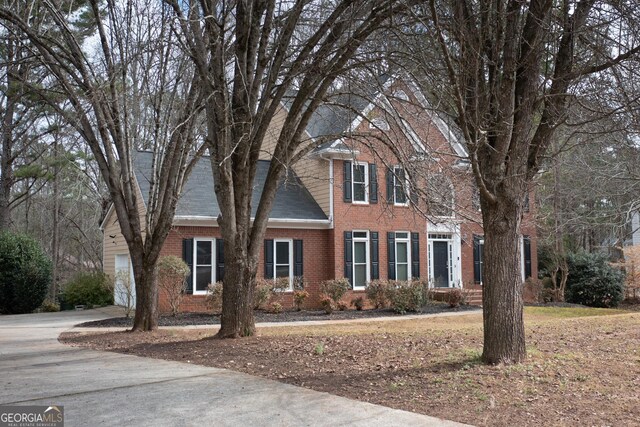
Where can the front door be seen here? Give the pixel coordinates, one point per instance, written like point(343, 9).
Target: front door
point(440, 264)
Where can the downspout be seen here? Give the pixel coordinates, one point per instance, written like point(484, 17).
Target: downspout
point(331, 192)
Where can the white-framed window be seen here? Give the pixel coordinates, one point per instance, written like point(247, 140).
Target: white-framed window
point(361, 260)
point(403, 256)
point(360, 182)
point(203, 264)
point(400, 187)
point(283, 259)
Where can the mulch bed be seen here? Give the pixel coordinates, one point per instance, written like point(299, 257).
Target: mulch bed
point(189, 319)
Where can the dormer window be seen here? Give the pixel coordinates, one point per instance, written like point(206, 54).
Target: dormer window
point(379, 123)
point(400, 94)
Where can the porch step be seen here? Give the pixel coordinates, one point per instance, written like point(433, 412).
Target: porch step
point(473, 296)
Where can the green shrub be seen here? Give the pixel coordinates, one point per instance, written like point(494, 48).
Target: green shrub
point(25, 274)
point(90, 289)
point(49, 306)
point(593, 281)
point(335, 289)
point(377, 293)
point(406, 296)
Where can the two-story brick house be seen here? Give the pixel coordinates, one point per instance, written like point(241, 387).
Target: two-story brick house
point(347, 209)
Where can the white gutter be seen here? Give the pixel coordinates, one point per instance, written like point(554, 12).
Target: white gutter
point(210, 221)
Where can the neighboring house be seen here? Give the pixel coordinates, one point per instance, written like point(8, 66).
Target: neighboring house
point(346, 210)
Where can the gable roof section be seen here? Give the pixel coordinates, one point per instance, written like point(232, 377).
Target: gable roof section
point(198, 199)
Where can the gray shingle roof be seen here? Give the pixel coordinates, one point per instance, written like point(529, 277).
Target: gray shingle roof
point(293, 200)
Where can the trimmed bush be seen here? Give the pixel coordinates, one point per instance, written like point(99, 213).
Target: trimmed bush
point(593, 281)
point(25, 274)
point(455, 297)
point(335, 289)
point(327, 304)
point(49, 306)
point(358, 303)
point(299, 297)
point(90, 289)
point(172, 273)
point(377, 291)
point(406, 296)
point(262, 293)
point(214, 297)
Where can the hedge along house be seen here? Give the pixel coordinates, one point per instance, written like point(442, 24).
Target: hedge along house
point(345, 210)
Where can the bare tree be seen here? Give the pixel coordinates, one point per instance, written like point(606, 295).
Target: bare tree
point(129, 89)
point(253, 58)
point(508, 70)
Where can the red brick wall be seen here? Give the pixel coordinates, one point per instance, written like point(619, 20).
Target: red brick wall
point(317, 263)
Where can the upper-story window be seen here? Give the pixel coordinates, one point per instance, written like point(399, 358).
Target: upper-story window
point(400, 187)
point(360, 182)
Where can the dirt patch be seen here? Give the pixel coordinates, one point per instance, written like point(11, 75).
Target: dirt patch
point(188, 319)
point(580, 371)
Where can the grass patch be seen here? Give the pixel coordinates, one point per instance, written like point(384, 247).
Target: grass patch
point(569, 312)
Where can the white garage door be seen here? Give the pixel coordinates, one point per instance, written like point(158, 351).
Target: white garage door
point(124, 293)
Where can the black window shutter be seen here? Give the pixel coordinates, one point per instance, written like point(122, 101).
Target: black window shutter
point(375, 257)
point(526, 206)
point(373, 183)
point(390, 186)
point(346, 185)
point(526, 242)
point(297, 258)
point(391, 255)
point(187, 257)
point(268, 259)
point(219, 260)
point(477, 272)
point(348, 256)
point(413, 195)
point(415, 255)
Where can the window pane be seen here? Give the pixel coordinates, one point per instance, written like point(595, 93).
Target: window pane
point(360, 275)
point(358, 173)
point(402, 272)
point(360, 234)
point(360, 252)
point(203, 278)
point(401, 252)
point(203, 253)
point(282, 271)
point(402, 235)
point(401, 197)
point(359, 193)
point(282, 252)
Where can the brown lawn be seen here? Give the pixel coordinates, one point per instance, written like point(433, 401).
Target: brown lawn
point(583, 366)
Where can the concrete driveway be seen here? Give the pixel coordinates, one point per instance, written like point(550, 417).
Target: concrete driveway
point(101, 388)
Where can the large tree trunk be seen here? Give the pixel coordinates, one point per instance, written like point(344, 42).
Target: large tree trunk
point(145, 274)
point(504, 340)
point(237, 297)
